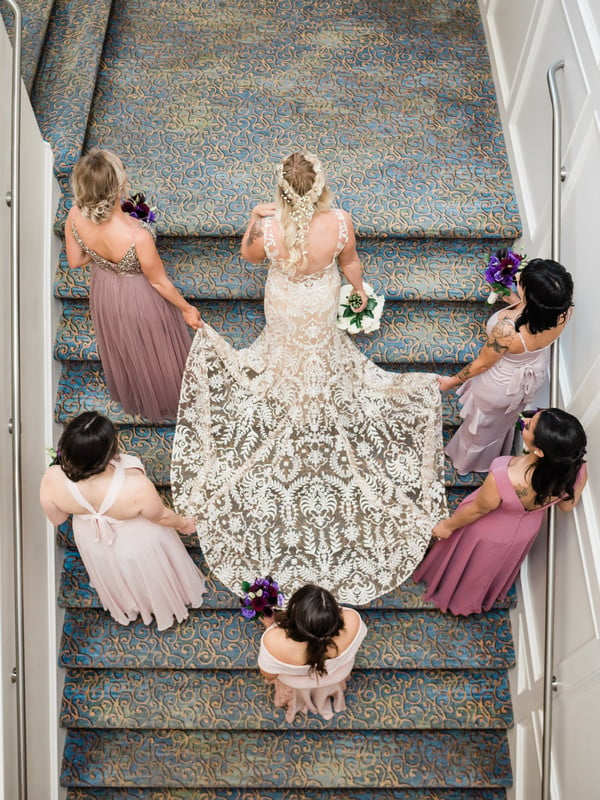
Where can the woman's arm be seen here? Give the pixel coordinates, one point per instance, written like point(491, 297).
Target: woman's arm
point(76, 256)
point(350, 262)
point(253, 243)
point(47, 490)
point(151, 507)
point(569, 505)
point(486, 499)
point(499, 341)
point(154, 271)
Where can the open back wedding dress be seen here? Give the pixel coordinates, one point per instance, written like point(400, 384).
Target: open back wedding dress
point(302, 459)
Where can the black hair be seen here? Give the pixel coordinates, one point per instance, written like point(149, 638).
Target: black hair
point(86, 446)
point(562, 440)
point(314, 616)
point(548, 293)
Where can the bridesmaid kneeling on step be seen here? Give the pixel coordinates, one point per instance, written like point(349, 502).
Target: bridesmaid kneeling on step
point(309, 651)
point(483, 544)
point(125, 535)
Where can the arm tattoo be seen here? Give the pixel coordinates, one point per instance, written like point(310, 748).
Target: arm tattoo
point(255, 232)
point(464, 374)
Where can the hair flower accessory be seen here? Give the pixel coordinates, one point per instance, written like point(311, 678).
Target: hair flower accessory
point(365, 321)
point(137, 207)
point(261, 598)
point(501, 273)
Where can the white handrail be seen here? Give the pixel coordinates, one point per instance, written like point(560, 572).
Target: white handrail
point(13, 199)
point(549, 679)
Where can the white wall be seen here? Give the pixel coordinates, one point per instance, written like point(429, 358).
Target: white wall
point(525, 37)
point(39, 195)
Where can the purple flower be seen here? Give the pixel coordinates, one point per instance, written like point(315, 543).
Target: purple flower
point(502, 268)
point(248, 613)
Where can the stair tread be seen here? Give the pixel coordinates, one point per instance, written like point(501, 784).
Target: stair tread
point(76, 592)
point(427, 332)
point(286, 758)
point(64, 532)
point(403, 112)
point(66, 79)
point(216, 639)
point(286, 794)
point(402, 269)
point(82, 387)
point(240, 700)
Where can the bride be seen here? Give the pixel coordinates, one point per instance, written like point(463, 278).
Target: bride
point(298, 456)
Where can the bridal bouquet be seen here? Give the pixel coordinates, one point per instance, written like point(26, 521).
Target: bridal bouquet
point(137, 207)
point(365, 321)
point(261, 598)
point(501, 273)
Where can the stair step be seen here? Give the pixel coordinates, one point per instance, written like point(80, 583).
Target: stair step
point(35, 15)
point(403, 269)
point(218, 639)
point(287, 794)
point(328, 759)
point(75, 591)
point(419, 332)
point(241, 700)
point(82, 387)
point(153, 444)
point(403, 113)
point(64, 86)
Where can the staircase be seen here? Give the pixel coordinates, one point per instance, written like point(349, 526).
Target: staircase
point(201, 100)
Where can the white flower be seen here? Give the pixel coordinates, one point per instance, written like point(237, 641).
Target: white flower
point(359, 322)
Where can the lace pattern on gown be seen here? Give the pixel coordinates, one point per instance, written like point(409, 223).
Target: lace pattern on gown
point(301, 458)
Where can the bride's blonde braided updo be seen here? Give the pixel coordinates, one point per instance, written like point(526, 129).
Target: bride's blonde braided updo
point(98, 181)
point(302, 193)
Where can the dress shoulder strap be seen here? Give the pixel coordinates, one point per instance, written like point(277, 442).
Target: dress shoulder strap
point(114, 488)
point(77, 495)
point(342, 231)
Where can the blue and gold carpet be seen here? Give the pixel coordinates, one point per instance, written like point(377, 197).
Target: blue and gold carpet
point(201, 100)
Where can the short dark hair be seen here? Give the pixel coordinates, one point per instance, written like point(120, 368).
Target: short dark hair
point(314, 616)
point(87, 445)
point(548, 293)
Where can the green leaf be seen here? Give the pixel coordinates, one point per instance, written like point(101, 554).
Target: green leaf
point(245, 586)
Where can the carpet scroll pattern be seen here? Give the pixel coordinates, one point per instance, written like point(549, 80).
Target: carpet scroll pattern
point(201, 100)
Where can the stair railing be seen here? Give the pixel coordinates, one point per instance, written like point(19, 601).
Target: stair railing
point(14, 425)
point(550, 684)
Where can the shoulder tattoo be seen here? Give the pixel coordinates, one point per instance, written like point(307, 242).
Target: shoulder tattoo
point(501, 336)
point(256, 232)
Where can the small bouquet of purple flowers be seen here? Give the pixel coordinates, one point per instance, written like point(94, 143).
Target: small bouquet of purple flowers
point(137, 207)
point(261, 598)
point(501, 273)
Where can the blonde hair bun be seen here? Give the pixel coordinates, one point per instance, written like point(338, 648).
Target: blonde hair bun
point(98, 181)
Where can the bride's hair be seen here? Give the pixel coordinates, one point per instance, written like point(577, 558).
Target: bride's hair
point(301, 193)
point(562, 440)
point(312, 616)
point(98, 181)
point(87, 445)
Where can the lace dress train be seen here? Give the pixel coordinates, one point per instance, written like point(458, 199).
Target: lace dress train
point(301, 458)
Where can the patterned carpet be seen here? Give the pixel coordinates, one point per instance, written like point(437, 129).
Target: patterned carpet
point(202, 99)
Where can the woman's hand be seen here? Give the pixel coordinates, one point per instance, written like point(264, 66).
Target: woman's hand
point(188, 527)
point(192, 317)
point(264, 210)
point(443, 530)
point(445, 382)
point(363, 296)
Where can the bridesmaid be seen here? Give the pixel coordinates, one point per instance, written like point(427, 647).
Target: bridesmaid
point(483, 544)
point(511, 366)
point(139, 316)
point(125, 535)
point(309, 651)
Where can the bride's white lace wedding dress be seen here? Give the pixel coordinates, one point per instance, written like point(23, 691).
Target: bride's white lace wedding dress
point(302, 459)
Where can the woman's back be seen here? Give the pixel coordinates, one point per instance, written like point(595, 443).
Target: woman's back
point(327, 236)
point(113, 239)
